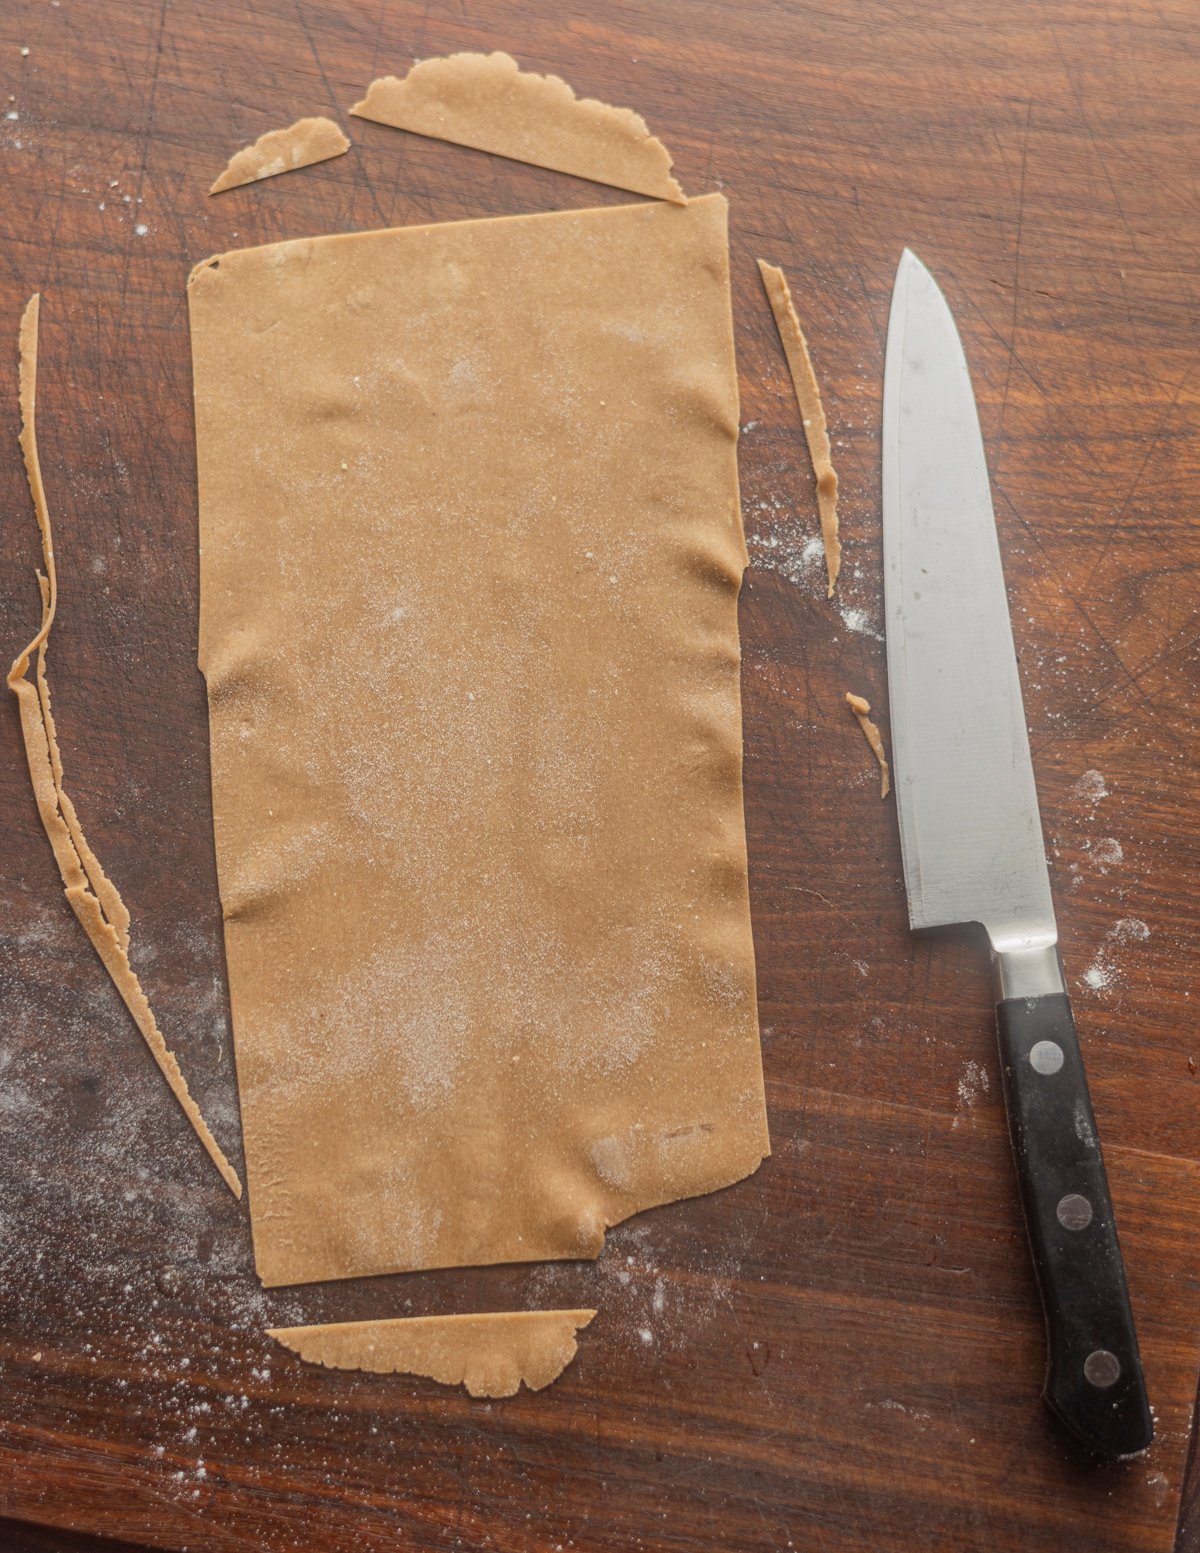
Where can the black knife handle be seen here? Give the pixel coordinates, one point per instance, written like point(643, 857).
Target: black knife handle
point(1094, 1379)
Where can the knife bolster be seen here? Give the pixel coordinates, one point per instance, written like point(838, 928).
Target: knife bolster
point(1027, 972)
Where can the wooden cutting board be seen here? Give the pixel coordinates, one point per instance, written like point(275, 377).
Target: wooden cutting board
point(845, 1352)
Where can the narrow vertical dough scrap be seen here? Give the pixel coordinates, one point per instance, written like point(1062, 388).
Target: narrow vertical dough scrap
point(283, 151)
point(491, 1355)
point(862, 710)
point(93, 897)
point(812, 412)
point(488, 102)
point(106, 892)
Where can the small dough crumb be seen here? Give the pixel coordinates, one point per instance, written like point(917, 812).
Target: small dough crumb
point(92, 896)
point(490, 1355)
point(862, 710)
point(282, 151)
point(812, 413)
point(488, 102)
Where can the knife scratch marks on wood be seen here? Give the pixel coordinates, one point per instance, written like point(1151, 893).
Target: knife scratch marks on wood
point(812, 413)
point(862, 710)
point(92, 896)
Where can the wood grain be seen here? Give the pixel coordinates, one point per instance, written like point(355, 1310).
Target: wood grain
point(845, 1352)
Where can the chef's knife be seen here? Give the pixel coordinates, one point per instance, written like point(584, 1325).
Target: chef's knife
point(971, 838)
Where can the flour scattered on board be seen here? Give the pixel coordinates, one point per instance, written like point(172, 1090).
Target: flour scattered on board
point(858, 621)
point(1106, 852)
point(788, 549)
point(1098, 976)
point(1090, 788)
point(1104, 973)
point(972, 1084)
point(893, 1405)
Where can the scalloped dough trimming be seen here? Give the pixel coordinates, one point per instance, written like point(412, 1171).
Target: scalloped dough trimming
point(488, 102)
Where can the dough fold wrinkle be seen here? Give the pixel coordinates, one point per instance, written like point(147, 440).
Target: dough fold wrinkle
point(283, 151)
point(812, 413)
point(92, 895)
point(471, 548)
point(491, 1355)
point(488, 102)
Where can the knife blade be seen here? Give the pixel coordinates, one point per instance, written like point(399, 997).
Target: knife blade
point(973, 850)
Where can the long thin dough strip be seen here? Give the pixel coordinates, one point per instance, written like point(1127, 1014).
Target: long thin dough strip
point(488, 102)
point(93, 897)
point(283, 151)
point(490, 1355)
point(106, 892)
point(862, 710)
point(812, 413)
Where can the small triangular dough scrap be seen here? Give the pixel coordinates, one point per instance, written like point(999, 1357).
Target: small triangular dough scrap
point(282, 151)
point(488, 102)
point(489, 1354)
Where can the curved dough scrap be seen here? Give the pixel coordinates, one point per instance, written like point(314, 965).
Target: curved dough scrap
point(93, 897)
point(282, 151)
point(488, 102)
point(812, 413)
point(861, 708)
point(490, 1355)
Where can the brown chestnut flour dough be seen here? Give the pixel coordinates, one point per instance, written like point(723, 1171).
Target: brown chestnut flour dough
point(812, 412)
point(491, 1355)
point(92, 896)
point(470, 557)
point(488, 102)
point(283, 151)
point(861, 708)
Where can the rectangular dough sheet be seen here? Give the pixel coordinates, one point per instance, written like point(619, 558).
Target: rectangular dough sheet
point(470, 555)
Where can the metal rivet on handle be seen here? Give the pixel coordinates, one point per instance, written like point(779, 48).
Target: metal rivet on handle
point(1046, 1057)
point(1074, 1211)
point(1102, 1368)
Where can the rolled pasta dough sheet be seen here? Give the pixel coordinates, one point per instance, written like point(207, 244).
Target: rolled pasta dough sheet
point(470, 556)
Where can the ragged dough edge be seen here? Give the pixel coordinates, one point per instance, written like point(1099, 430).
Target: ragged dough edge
point(861, 708)
point(488, 102)
point(92, 896)
point(209, 267)
point(283, 151)
point(812, 413)
point(491, 1355)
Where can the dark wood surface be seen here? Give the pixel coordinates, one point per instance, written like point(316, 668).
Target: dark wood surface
point(845, 1352)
